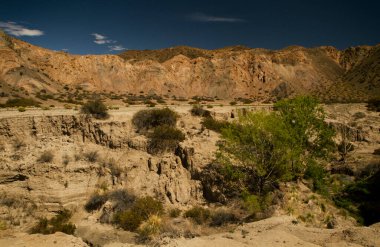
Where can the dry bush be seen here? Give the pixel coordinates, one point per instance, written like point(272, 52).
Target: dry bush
point(164, 138)
point(222, 217)
point(95, 108)
point(95, 202)
point(46, 157)
point(198, 214)
point(359, 115)
point(215, 125)
point(175, 212)
point(148, 119)
point(65, 159)
point(18, 144)
point(197, 110)
point(150, 227)
point(140, 211)
point(91, 156)
point(59, 223)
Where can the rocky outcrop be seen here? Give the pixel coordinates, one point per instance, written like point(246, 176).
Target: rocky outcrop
point(118, 160)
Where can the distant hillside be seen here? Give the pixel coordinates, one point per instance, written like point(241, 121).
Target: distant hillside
point(238, 71)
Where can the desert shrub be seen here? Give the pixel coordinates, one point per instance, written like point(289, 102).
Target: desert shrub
point(215, 125)
point(67, 106)
point(46, 157)
point(376, 151)
point(149, 103)
point(318, 176)
point(140, 211)
point(58, 223)
point(95, 202)
point(20, 102)
point(122, 199)
point(111, 163)
point(21, 109)
point(251, 203)
point(164, 138)
point(246, 101)
point(147, 206)
point(175, 212)
point(198, 214)
point(148, 119)
point(18, 144)
point(65, 159)
point(222, 217)
point(96, 109)
point(150, 227)
point(359, 115)
point(198, 110)
point(233, 103)
point(3, 225)
point(128, 220)
point(92, 156)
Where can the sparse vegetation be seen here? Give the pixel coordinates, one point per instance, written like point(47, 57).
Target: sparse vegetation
point(59, 223)
point(46, 157)
point(95, 108)
point(159, 126)
point(65, 159)
point(91, 156)
point(21, 109)
point(198, 110)
point(214, 124)
point(175, 212)
point(198, 214)
point(140, 211)
point(150, 227)
point(359, 115)
point(95, 202)
point(222, 217)
point(164, 138)
point(148, 119)
point(20, 102)
point(18, 144)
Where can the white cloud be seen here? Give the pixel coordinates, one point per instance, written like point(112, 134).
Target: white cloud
point(101, 39)
point(116, 48)
point(209, 18)
point(18, 30)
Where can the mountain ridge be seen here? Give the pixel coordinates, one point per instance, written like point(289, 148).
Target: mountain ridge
point(238, 71)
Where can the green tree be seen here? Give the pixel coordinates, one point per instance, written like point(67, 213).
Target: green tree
point(258, 141)
point(277, 146)
point(311, 136)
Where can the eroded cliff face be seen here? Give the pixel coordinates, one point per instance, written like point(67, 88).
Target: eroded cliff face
point(184, 71)
point(30, 188)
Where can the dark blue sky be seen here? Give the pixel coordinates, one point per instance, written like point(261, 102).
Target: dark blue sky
point(149, 24)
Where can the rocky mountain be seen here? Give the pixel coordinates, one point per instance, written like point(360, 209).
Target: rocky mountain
point(330, 74)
